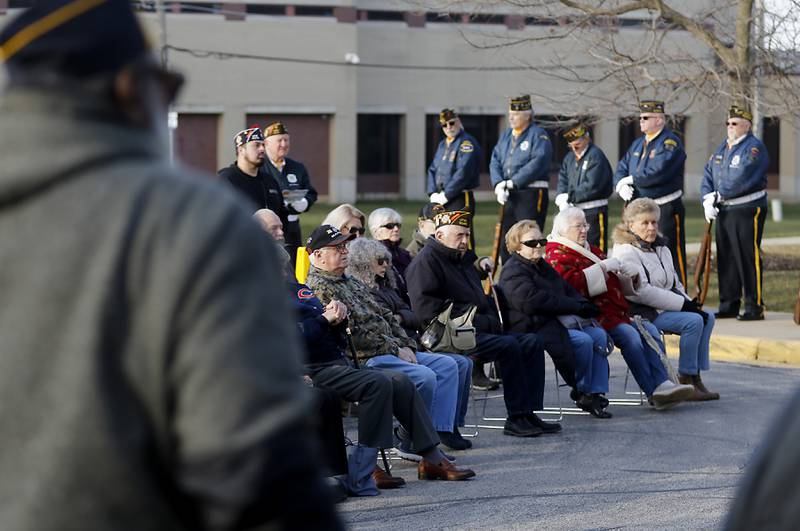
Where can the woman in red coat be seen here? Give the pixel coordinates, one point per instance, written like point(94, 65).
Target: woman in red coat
point(603, 280)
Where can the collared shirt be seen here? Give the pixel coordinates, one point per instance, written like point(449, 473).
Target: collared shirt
point(649, 137)
point(736, 141)
point(278, 163)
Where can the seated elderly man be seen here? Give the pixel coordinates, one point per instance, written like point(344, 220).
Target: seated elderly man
point(271, 224)
point(443, 272)
point(378, 339)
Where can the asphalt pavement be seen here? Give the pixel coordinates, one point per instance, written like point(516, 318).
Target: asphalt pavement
point(642, 469)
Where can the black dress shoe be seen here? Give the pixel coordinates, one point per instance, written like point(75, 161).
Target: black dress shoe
point(751, 315)
point(481, 382)
point(592, 405)
point(546, 427)
point(466, 441)
point(726, 315)
point(520, 427)
point(451, 441)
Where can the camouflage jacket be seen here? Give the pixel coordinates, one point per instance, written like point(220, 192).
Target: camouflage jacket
point(375, 331)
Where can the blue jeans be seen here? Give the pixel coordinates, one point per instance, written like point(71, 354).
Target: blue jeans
point(694, 338)
point(643, 361)
point(591, 363)
point(436, 379)
point(464, 385)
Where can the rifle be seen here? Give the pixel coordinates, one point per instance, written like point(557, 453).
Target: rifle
point(498, 230)
point(702, 266)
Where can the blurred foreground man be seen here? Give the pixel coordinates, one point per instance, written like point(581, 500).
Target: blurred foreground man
point(130, 397)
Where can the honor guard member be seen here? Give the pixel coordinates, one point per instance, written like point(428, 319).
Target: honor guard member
point(290, 175)
point(455, 169)
point(246, 175)
point(653, 167)
point(734, 191)
point(520, 168)
point(584, 181)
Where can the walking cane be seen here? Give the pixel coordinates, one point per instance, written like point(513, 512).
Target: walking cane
point(702, 266)
point(354, 355)
point(496, 301)
point(498, 228)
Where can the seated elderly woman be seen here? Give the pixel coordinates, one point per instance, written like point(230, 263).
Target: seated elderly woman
point(371, 263)
point(604, 281)
point(661, 297)
point(347, 219)
point(537, 299)
point(384, 225)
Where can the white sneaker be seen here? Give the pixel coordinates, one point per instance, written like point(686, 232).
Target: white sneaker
point(668, 394)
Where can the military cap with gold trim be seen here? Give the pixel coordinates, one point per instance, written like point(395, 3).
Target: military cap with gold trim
point(655, 106)
point(446, 115)
point(460, 218)
point(275, 129)
point(574, 133)
point(252, 134)
point(429, 210)
point(522, 103)
point(740, 112)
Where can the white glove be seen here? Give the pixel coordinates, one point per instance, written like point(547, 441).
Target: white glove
point(500, 187)
point(301, 205)
point(438, 197)
point(510, 184)
point(709, 210)
point(610, 265)
point(502, 195)
point(627, 269)
point(625, 188)
point(562, 201)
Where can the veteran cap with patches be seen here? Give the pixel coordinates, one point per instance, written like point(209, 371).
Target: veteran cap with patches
point(429, 211)
point(326, 236)
point(445, 115)
point(251, 134)
point(459, 218)
point(276, 128)
point(574, 133)
point(737, 111)
point(521, 103)
point(654, 106)
point(78, 38)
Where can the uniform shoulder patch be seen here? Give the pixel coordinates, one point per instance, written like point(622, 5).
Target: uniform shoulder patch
point(754, 151)
point(670, 142)
point(466, 147)
point(305, 293)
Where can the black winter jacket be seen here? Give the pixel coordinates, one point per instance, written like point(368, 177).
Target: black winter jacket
point(389, 297)
point(439, 274)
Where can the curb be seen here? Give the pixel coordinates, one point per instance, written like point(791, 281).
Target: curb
point(748, 350)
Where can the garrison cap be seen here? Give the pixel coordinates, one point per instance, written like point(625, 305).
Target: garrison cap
point(460, 218)
point(740, 112)
point(429, 211)
point(654, 106)
point(326, 236)
point(252, 134)
point(522, 103)
point(275, 129)
point(78, 38)
point(576, 132)
point(446, 115)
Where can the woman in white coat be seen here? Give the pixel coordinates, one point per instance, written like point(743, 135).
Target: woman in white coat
point(661, 297)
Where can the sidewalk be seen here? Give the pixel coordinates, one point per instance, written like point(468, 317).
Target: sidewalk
point(773, 340)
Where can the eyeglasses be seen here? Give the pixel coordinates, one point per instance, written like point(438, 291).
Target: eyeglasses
point(581, 226)
point(735, 124)
point(391, 226)
point(645, 118)
point(533, 244)
point(357, 230)
point(451, 123)
point(341, 248)
point(382, 261)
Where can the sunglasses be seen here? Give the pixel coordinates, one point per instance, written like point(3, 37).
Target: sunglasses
point(735, 124)
point(645, 118)
point(357, 230)
point(382, 261)
point(451, 123)
point(391, 226)
point(533, 244)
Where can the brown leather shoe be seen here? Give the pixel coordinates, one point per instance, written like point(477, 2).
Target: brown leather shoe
point(698, 383)
point(385, 481)
point(699, 394)
point(444, 470)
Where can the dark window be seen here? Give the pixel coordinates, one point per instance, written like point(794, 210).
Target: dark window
point(442, 17)
point(487, 19)
point(629, 131)
point(485, 129)
point(199, 8)
point(313, 11)
point(387, 16)
point(541, 21)
point(378, 164)
point(264, 9)
point(771, 136)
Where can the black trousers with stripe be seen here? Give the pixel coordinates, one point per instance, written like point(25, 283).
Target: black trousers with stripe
point(597, 218)
point(739, 268)
point(671, 226)
point(528, 203)
point(464, 201)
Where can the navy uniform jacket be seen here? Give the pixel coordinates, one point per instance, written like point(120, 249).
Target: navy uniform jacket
point(529, 162)
point(294, 176)
point(588, 179)
point(658, 169)
point(325, 343)
point(456, 167)
point(738, 172)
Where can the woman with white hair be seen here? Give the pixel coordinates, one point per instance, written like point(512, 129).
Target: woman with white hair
point(661, 297)
point(604, 281)
point(348, 219)
point(370, 262)
point(385, 225)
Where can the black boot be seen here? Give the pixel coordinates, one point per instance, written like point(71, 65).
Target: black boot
point(481, 382)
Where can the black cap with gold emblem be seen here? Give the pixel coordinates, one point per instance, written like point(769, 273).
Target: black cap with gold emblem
point(275, 129)
point(522, 103)
point(446, 115)
point(654, 106)
point(575, 132)
point(460, 218)
point(737, 111)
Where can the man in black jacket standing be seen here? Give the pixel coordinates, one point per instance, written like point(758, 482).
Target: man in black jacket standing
point(443, 271)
